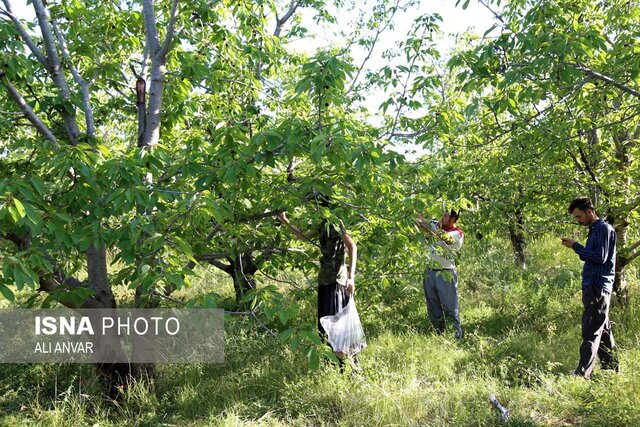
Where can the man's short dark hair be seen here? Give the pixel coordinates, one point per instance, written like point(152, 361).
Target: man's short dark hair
point(454, 214)
point(582, 203)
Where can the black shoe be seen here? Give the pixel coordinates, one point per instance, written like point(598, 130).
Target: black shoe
point(459, 334)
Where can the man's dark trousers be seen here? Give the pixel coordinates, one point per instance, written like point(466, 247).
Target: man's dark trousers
point(597, 339)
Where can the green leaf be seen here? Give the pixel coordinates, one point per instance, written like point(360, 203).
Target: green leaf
point(311, 336)
point(303, 86)
point(183, 245)
point(7, 293)
point(175, 279)
point(295, 342)
point(283, 316)
point(63, 216)
point(317, 147)
point(314, 359)
point(211, 300)
point(193, 302)
point(32, 215)
point(329, 354)
point(285, 335)
point(19, 278)
point(14, 213)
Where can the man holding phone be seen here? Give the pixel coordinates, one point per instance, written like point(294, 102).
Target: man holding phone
point(598, 272)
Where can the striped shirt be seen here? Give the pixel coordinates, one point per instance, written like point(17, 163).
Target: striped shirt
point(599, 256)
point(442, 254)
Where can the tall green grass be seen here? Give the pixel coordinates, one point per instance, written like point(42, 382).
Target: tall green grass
point(522, 337)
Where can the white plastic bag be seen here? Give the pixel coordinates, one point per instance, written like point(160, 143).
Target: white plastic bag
point(344, 331)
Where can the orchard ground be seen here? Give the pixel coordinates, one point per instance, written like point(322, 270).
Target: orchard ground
point(522, 337)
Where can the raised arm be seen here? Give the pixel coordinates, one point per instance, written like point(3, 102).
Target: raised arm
point(424, 224)
point(352, 250)
point(299, 234)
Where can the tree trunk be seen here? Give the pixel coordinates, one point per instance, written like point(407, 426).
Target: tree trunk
point(242, 273)
point(620, 282)
point(518, 242)
point(621, 224)
point(98, 280)
point(625, 143)
point(116, 375)
point(143, 371)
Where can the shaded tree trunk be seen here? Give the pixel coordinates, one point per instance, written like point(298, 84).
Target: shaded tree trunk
point(620, 281)
point(621, 225)
point(243, 268)
point(98, 280)
point(518, 242)
point(116, 375)
point(143, 371)
point(625, 143)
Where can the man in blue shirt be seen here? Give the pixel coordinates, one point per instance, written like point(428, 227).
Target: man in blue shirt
point(599, 256)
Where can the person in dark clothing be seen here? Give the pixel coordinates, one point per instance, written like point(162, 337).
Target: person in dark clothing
point(336, 283)
point(598, 272)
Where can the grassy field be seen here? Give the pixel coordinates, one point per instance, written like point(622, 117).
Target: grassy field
point(522, 338)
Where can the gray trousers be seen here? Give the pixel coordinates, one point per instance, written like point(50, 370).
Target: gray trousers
point(441, 293)
point(597, 339)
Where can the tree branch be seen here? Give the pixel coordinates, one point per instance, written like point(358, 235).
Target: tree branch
point(408, 135)
point(633, 246)
point(52, 282)
point(406, 83)
point(495, 14)
point(170, 30)
point(151, 28)
point(295, 285)
point(84, 87)
point(23, 33)
point(542, 112)
point(167, 297)
point(266, 214)
point(606, 79)
point(632, 256)
point(54, 67)
point(379, 31)
point(151, 134)
point(585, 161)
point(224, 267)
point(252, 314)
point(212, 256)
point(288, 14)
point(28, 112)
point(574, 158)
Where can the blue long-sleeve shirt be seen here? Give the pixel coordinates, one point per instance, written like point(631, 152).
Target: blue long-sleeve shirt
point(599, 256)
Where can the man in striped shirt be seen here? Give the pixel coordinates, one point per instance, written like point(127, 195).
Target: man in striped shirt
point(598, 272)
